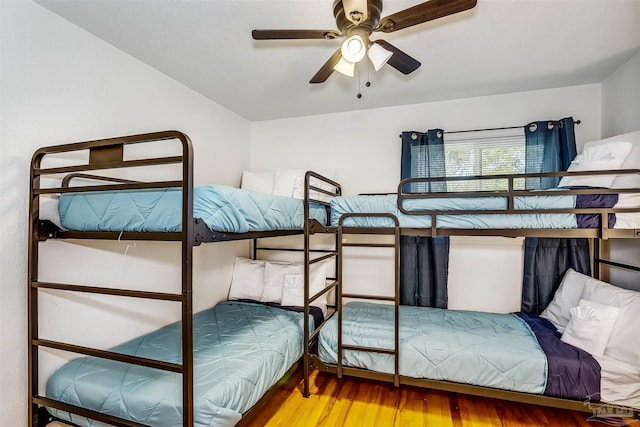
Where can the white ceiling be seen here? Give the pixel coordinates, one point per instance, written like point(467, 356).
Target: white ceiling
point(501, 46)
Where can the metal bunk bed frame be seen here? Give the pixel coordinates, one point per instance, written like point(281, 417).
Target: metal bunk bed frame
point(595, 236)
point(107, 154)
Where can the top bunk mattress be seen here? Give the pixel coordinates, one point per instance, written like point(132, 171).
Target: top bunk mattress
point(222, 208)
point(538, 220)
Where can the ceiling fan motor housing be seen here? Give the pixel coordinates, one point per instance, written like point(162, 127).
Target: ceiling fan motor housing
point(373, 12)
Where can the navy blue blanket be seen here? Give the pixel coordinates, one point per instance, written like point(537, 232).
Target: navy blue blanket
point(315, 312)
point(571, 373)
point(594, 201)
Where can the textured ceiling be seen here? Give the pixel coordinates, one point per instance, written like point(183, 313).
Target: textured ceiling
point(501, 46)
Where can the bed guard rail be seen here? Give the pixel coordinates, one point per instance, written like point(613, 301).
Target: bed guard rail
point(510, 193)
point(406, 194)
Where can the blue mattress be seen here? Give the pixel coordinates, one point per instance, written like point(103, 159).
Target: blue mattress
point(240, 350)
point(388, 204)
point(484, 349)
point(222, 208)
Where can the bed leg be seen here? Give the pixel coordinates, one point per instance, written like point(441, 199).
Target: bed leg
point(41, 417)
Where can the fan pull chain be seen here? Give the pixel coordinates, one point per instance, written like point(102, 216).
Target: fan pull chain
point(359, 95)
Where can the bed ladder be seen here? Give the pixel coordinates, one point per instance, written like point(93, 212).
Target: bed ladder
point(395, 231)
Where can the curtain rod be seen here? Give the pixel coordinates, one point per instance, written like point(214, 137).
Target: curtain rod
point(576, 122)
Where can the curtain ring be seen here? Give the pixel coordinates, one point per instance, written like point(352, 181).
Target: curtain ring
point(550, 125)
point(414, 136)
point(533, 127)
point(439, 134)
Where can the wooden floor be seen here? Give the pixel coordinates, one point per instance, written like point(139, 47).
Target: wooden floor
point(362, 403)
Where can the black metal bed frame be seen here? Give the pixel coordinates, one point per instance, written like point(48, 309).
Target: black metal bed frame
point(595, 235)
point(107, 154)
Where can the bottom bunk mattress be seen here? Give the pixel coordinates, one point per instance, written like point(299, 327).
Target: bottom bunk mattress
point(504, 351)
point(240, 350)
point(221, 207)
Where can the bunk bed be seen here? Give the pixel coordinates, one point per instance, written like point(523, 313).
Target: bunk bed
point(217, 367)
point(320, 212)
point(485, 354)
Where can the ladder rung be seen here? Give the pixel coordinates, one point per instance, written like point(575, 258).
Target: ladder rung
point(324, 257)
point(325, 290)
point(368, 349)
point(108, 291)
point(373, 297)
point(370, 245)
point(110, 355)
point(94, 415)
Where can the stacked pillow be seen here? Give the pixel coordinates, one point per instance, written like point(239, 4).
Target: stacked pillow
point(617, 152)
point(284, 182)
point(597, 157)
point(276, 282)
point(590, 326)
point(597, 317)
point(261, 182)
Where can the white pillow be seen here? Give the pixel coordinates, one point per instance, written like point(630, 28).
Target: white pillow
point(298, 189)
point(317, 282)
point(590, 326)
point(566, 297)
point(627, 221)
point(274, 274)
point(597, 157)
point(293, 290)
point(262, 182)
point(631, 162)
point(49, 209)
point(628, 200)
point(284, 181)
point(624, 342)
point(247, 280)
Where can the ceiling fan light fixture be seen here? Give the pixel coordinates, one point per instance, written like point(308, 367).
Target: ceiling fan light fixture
point(354, 48)
point(345, 67)
point(378, 55)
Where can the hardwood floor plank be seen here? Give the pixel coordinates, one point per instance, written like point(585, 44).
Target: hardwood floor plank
point(350, 402)
point(477, 412)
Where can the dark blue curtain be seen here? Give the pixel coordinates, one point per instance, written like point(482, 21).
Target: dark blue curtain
point(424, 261)
point(545, 262)
point(550, 147)
point(423, 157)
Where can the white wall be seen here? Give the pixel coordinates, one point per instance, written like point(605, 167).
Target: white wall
point(621, 114)
point(621, 99)
point(364, 147)
point(60, 84)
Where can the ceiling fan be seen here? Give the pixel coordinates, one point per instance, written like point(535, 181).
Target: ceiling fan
point(356, 21)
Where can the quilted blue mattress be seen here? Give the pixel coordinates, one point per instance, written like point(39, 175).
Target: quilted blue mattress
point(222, 208)
point(484, 349)
point(240, 351)
point(389, 204)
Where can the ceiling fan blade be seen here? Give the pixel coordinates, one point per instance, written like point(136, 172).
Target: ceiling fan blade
point(327, 69)
point(294, 34)
point(400, 60)
point(423, 12)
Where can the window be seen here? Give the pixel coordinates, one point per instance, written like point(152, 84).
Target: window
point(500, 152)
